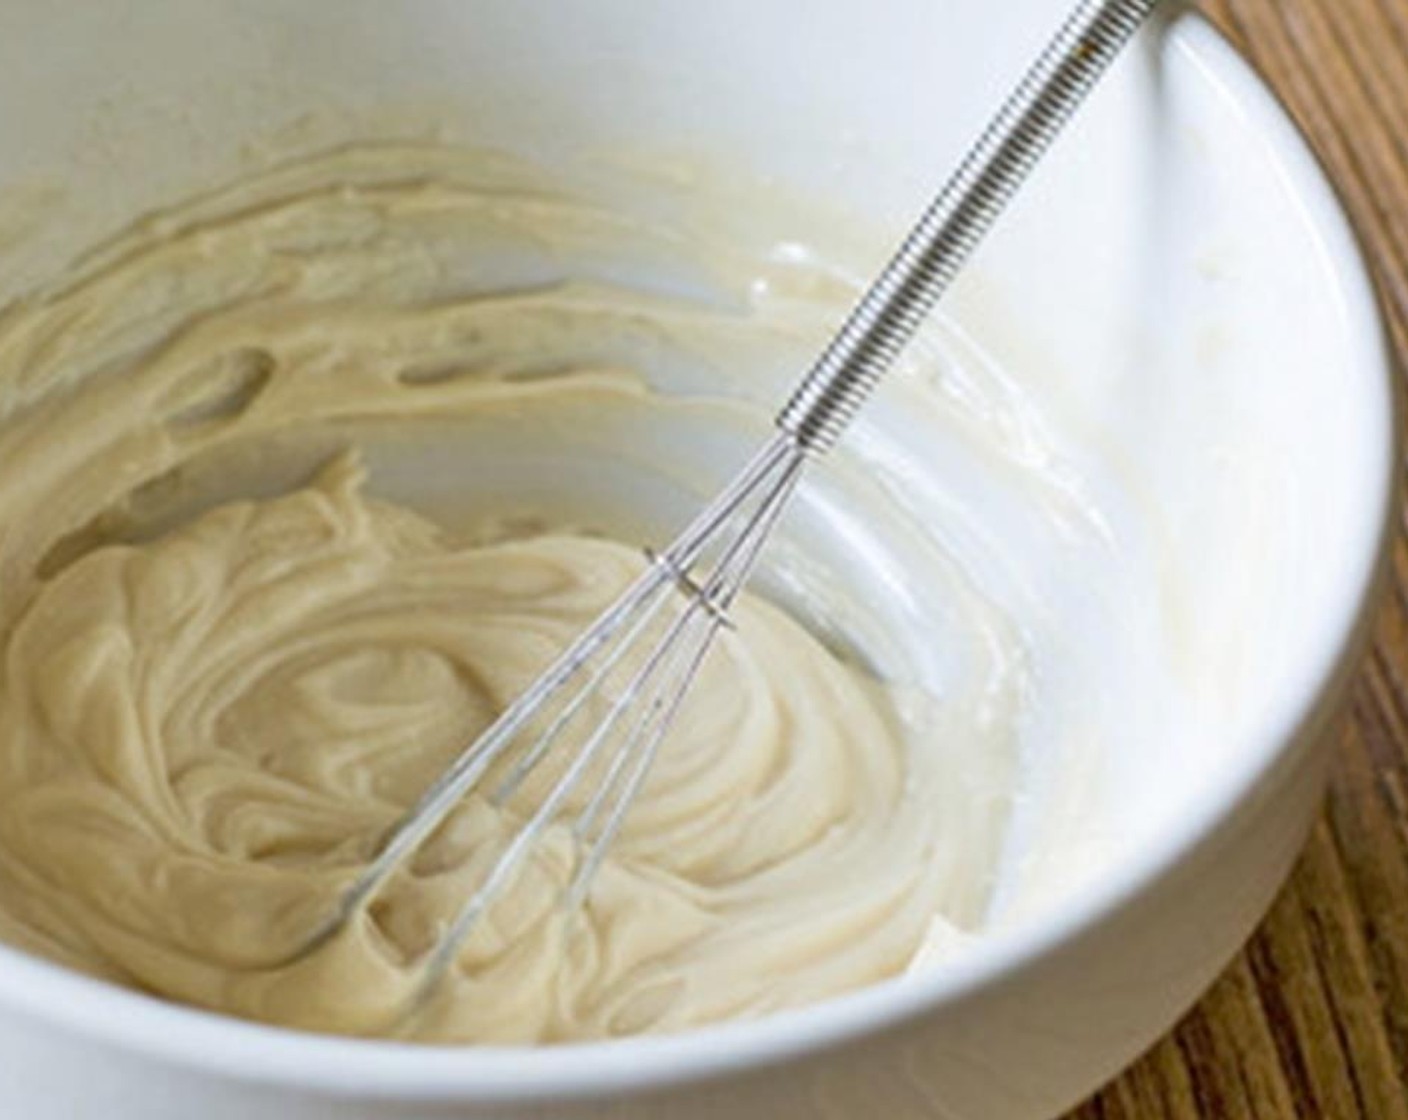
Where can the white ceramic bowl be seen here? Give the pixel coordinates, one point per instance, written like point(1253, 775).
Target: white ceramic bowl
point(1182, 235)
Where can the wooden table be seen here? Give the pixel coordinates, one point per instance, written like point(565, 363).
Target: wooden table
point(1311, 1021)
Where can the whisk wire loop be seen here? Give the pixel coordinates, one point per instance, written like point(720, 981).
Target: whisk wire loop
point(657, 687)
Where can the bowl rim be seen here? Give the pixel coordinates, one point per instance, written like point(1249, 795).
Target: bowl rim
point(211, 1043)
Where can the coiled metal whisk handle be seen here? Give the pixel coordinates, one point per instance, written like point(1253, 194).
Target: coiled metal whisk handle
point(935, 251)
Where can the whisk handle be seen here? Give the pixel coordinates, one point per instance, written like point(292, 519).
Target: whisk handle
point(892, 310)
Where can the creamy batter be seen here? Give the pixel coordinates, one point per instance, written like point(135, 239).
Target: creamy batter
point(213, 704)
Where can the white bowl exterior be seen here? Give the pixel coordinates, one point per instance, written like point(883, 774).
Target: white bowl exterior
point(860, 104)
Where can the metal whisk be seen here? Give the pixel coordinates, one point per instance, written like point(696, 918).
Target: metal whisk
point(638, 638)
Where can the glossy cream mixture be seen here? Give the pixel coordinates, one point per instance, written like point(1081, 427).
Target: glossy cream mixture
point(217, 696)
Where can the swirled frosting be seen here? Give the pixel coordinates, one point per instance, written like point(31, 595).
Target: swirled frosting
point(213, 704)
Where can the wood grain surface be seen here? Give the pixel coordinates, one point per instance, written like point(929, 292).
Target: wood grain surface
point(1311, 1021)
